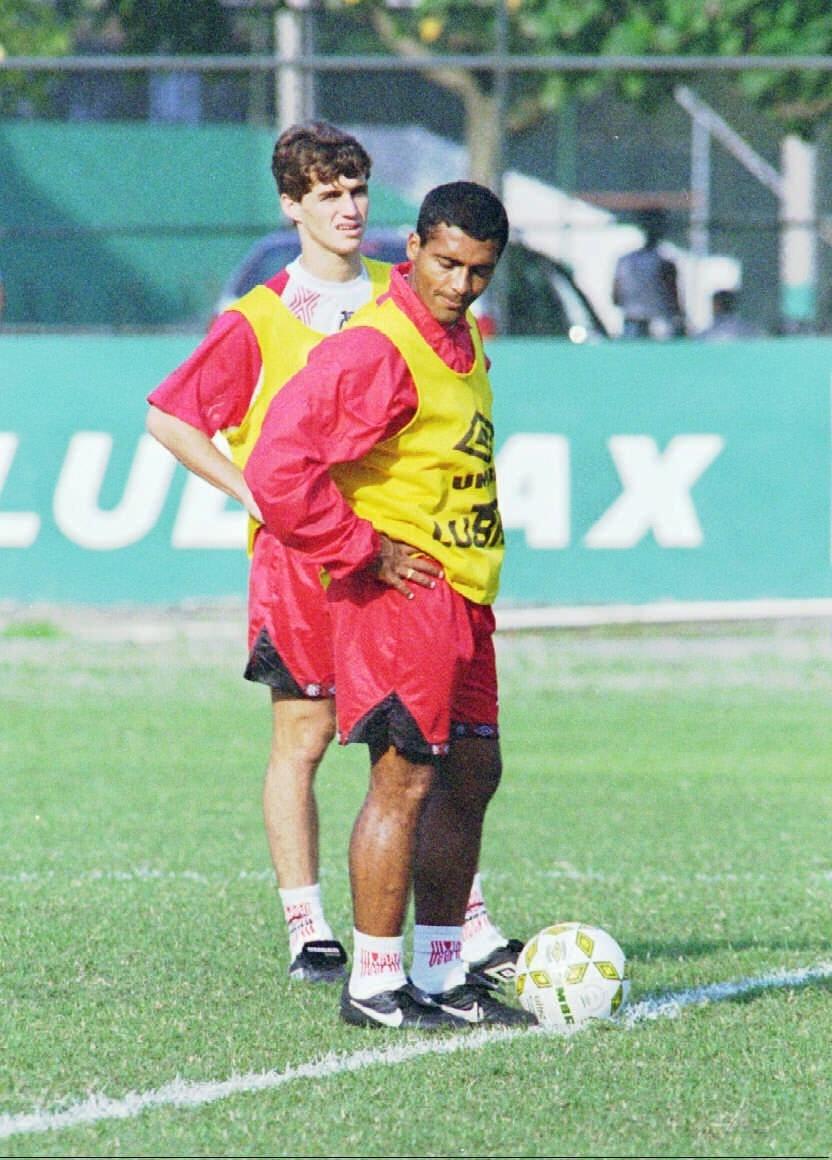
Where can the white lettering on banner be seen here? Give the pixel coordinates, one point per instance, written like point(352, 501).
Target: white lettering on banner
point(656, 495)
point(202, 520)
point(534, 474)
point(76, 508)
point(17, 529)
point(533, 478)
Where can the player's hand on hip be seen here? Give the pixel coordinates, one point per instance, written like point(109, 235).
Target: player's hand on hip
point(401, 565)
point(249, 502)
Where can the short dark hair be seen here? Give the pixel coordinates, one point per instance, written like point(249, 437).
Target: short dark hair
point(316, 151)
point(654, 223)
point(473, 208)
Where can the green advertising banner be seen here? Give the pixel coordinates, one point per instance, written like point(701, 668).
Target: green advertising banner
point(628, 473)
point(648, 472)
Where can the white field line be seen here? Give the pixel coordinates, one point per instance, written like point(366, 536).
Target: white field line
point(182, 1093)
point(560, 871)
point(137, 874)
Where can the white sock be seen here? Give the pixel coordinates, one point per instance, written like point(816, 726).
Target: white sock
point(479, 934)
point(303, 911)
point(377, 965)
point(437, 962)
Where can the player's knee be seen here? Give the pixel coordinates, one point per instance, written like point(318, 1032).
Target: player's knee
point(489, 780)
point(399, 785)
point(322, 731)
point(302, 732)
point(473, 771)
point(313, 738)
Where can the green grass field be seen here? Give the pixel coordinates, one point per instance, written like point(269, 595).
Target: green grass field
point(669, 784)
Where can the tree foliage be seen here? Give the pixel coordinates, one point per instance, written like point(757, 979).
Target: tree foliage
point(169, 26)
point(709, 28)
point(797, 100)
point(44, 28)
point(31, 28)
point(423, 29)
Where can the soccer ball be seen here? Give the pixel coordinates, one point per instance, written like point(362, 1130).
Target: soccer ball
point(571, 973)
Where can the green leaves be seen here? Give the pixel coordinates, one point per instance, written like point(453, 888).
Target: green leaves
point(28, 28)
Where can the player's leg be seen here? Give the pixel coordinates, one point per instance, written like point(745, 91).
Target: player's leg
point(371, 638)
point(446, 858)
point(485, 949)
point(405, 811)
point(383, 840)
point(447, 853)
point(451, 828)
point(290, 651)
point(381, 866)
point(301, 732)
point(395, 693)
point(450, 831)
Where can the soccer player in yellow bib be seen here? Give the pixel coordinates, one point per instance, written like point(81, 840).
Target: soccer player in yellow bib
point(377, 461)
point(226, 385)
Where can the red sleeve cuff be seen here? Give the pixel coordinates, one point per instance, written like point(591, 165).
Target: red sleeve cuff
point(368, 544)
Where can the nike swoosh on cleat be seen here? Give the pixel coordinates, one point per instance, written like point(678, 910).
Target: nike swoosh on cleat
point(472, 1014)
point(388, 1018)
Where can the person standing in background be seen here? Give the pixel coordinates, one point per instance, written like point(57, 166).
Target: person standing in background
point(727, 325)
point(645, 286)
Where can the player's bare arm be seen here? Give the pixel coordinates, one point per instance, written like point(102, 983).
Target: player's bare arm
point(195, 451)
point(400, 565)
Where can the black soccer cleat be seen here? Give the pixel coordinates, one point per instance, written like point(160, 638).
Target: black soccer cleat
point(474, 1002)
point(404, 1008)
point(324, 961)
point(501, 965)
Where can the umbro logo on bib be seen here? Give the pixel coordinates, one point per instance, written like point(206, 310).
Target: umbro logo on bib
point(478, 440)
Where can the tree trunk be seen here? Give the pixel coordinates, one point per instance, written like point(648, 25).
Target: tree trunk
point(481, 121)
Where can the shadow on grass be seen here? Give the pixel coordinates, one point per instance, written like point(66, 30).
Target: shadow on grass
point(682, 950)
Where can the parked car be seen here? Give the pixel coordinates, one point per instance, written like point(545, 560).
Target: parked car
point(274, 251)
point(542, 297)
